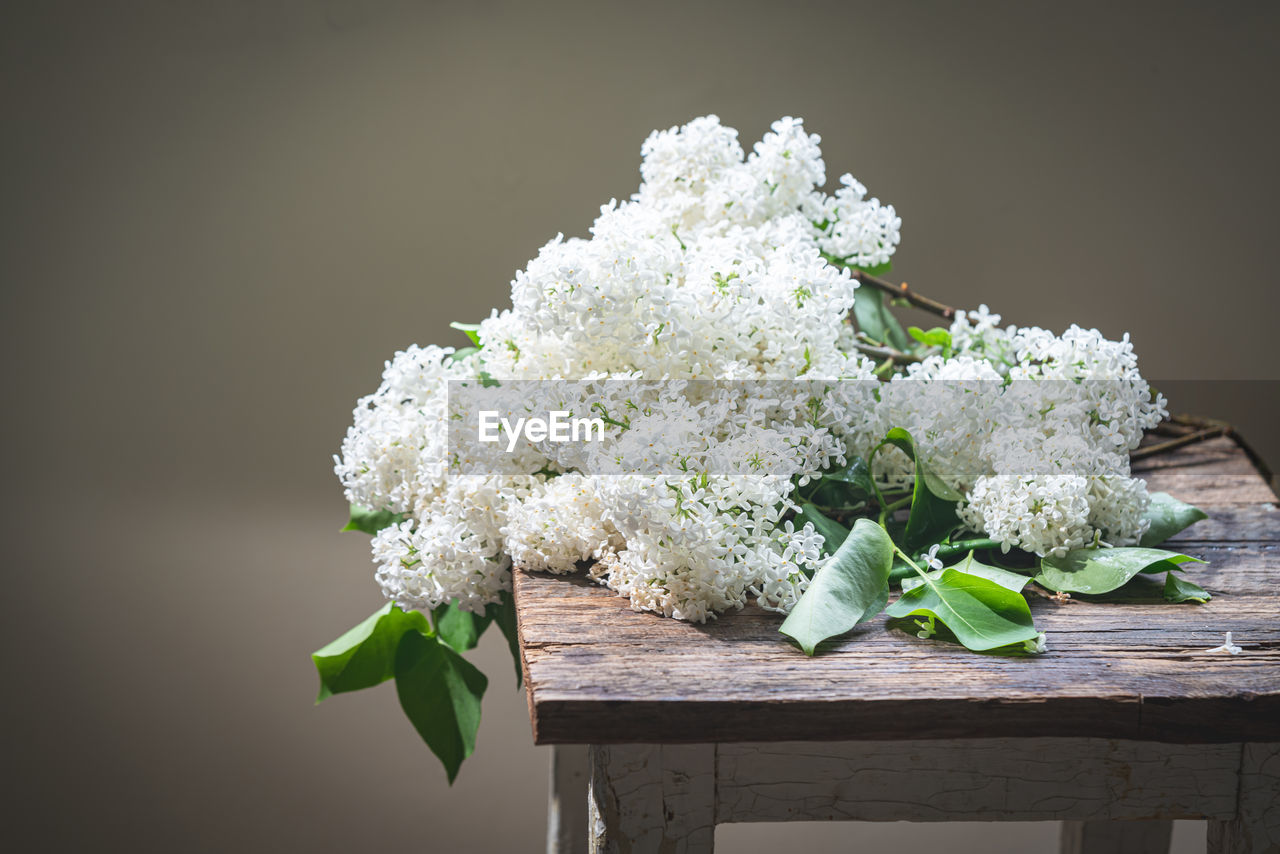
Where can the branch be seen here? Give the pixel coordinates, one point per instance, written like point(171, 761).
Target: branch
point(888, 354)
point(1200, 430)
point(903, 292)
point(1060, 598)
point(1187, 439)
point(1197, 421)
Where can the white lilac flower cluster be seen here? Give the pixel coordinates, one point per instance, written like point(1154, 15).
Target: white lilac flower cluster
point(707, 316)
point(1053, 470)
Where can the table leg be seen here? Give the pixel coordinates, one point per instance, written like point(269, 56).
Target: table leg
point(567, 803)
point(652, 797)
point(1115, 837)
point(1256, 827)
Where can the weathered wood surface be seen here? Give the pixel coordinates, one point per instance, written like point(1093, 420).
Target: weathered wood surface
point(1111, 795)
point(598, 672)
point(1255, 828)
point(1011, 779)
point(652, 798)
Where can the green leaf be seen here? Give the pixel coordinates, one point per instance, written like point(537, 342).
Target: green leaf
point(371, 521)
point(933, 502)
point(365, 656)
point(459, 355)
point(849, 588)
point(440, 691)
point(1097, 570)
point(877, 271)
point(833, 533)
point(982, 614)
point(1168, 516)
point(874, 318)
point(1006, 579)
point(471, 330)
point(935, 337)
point(458, 628)
point(503, 614)
point(856, 475)
point(1178, 589)
point(847, 488)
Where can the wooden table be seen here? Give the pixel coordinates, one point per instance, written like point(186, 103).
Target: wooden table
point(1128, 722)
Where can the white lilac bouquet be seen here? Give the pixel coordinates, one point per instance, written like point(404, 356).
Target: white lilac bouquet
point(758, 427)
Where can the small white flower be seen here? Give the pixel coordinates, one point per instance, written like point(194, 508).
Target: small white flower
point(1228, 647)
point(1037, 645)
point(931, 559)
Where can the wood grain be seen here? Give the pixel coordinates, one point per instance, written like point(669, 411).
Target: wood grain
point(1131, 666)
point(652, 798)
point(1012, 779)
point(1255, 827)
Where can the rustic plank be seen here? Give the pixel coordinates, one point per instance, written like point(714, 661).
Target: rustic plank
point(652, 798)
point(1255, 827)
point(1215, 472)
point(1010, 779)
point(1234, 524)
point(1130, 666)
point(1223, 451)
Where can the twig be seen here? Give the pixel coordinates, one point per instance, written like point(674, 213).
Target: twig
point(889, 354)
point(1181, 441)
point(1167, 428)
point(1206, 428)
point(1060, 598)
point(903, 292)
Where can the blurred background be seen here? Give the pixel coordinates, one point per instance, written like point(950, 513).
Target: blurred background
point(218, 219)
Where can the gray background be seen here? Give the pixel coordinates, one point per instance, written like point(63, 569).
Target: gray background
point(217, 219)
